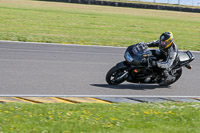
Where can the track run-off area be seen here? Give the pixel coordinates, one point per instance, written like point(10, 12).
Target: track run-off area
point(73, 70)
point(102, 100)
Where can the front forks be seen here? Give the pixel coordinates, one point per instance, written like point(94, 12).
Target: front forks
point(125, 75)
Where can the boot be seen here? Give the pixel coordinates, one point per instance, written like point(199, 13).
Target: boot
point(165, 75)
point(162, 82)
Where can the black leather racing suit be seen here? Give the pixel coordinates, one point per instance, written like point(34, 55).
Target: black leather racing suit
point(169, 55)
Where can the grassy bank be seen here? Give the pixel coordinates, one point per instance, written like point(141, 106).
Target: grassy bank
point(163, 117)
point(40, 21)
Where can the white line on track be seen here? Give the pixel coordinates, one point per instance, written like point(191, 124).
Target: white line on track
point(42, 43)
point(143, 96)
point(60, 44)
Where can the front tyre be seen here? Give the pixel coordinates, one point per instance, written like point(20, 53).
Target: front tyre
point(114, 74)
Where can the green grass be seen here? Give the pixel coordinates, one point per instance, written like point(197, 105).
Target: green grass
point(56, 22)
point(100, 118)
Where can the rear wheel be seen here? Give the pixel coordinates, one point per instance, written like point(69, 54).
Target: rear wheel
point(177, 75)
point(114, 74)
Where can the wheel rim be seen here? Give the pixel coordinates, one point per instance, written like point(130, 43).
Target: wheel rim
point(116, 75)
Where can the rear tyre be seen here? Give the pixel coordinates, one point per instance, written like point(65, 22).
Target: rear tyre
point(177, 75)
point(113, 74)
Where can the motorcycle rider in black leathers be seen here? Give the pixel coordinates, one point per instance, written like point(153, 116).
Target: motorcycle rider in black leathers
point(168, 54)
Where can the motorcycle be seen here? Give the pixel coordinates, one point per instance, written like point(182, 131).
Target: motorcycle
point(138, 67)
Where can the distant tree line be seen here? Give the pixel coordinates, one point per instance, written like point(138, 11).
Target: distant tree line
point(131, 5)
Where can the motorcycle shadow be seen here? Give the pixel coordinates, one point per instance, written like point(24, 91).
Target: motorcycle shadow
point(130, 86)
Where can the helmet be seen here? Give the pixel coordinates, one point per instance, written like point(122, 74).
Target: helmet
point(166, 39)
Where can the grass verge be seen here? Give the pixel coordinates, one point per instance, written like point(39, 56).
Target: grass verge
point(160, 117)
point(56, 22)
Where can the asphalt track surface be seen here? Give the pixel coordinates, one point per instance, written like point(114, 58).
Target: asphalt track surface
point(73, 70)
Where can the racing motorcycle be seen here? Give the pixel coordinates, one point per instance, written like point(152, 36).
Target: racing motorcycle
point(138, 67)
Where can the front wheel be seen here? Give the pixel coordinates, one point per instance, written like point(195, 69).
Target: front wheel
point(113, 77)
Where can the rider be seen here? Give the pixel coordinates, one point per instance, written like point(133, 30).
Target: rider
point(168, 52)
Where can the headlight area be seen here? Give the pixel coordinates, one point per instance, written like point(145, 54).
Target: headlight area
point(128, 57)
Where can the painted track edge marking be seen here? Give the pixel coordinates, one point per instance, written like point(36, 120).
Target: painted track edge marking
point(105, 100)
